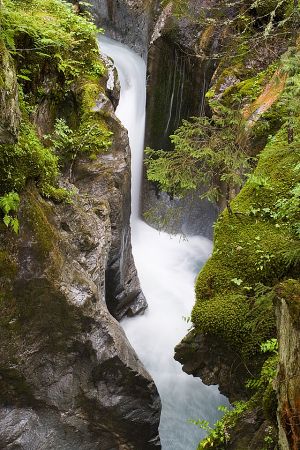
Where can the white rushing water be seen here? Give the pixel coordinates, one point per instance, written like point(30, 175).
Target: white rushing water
point(167, 267)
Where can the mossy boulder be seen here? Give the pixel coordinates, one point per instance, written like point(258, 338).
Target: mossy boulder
point(249, 248)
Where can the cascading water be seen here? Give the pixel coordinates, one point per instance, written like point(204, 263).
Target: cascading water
point(167, 267)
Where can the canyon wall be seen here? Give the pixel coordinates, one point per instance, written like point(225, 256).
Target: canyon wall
point(69, 377)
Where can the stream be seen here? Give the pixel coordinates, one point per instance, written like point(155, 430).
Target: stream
point(167, 267)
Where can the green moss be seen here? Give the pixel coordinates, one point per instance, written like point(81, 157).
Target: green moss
point(249, 248)
point(233, 65)
point(250, 88)
point(36, 217)
point(224, 315)
point(54, 33)
point(270, 403)
point(93, 135)
point(27, 160)
point(91, 89)
point(289, 291)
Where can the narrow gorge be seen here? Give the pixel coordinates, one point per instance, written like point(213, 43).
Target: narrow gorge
point(112, 258)
point(155, 334)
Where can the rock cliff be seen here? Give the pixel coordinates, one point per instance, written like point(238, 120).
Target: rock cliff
point(9, 112)
point(256, 249)
point(179, 75)
point(69, 377)
point(129, 21)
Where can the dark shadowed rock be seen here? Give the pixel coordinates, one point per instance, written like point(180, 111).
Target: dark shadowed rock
point(69, 377)
point(9, 110)
point(214, 362)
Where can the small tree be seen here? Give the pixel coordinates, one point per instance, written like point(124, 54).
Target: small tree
point(209, 152)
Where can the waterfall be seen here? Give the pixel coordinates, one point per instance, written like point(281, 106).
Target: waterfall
point(167, 267)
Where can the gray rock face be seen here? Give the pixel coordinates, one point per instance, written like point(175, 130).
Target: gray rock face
point(69, 378)
point(176, 84)
point(210, 359)
point(108, 179)
point(129, 21)
point(9, 110)
point(178, 79)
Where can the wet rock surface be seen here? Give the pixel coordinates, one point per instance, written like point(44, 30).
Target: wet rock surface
point(109, 179)
point(128, 21)
point(69, 379)
point(178, 79)
point(206, 357)
point(9, 111)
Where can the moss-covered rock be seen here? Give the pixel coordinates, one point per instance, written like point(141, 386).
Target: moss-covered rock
point(249, 248)
point(9, 112)
point(270, 404)
point(67, 88)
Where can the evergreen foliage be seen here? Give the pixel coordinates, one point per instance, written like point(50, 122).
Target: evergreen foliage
point(208, 151)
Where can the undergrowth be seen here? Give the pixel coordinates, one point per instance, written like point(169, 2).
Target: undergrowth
point(59, 71)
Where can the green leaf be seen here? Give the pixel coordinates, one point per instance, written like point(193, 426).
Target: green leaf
point(237, 281)
point(14, 223)
point(23, 77)
point(6, 220)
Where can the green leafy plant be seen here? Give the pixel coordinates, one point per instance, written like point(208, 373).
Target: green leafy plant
point(270, 346)
point(269, 369)
point(90, 138)
point(63, 36)
point(219, 434)
point(208, 152)
point(45, 31)
point(62, 136)
point(9, 205)
point(269, 439)
point(237, 281)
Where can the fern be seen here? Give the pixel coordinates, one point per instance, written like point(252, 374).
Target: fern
point(9, 204)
